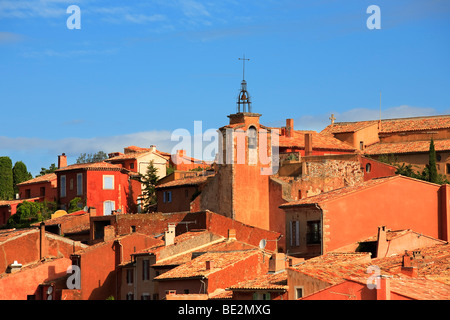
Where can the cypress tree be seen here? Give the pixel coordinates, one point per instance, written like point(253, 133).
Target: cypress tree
point(433, 175)
point(6, 179)
point(20, 174)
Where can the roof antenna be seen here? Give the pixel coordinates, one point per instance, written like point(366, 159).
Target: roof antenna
point(379, 121)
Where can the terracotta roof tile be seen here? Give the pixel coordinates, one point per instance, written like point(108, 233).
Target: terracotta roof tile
point(394, 125)
point(319, 141)
point(196, 268)
point(102, 165)
point(45, 178)
point(184, 182)
point(270, 281)
point(337, 193)
point(407, 147)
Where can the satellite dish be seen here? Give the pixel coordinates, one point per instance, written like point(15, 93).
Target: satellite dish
point(50, 290)
point(85, 209)
point(262, 244)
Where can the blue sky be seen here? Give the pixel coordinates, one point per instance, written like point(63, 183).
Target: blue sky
point(138, 70)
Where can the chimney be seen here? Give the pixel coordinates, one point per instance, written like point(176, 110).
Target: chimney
point(410, 265)
point(169, 235)
point(308, 144)
point(42, 241)
point(92, 212)
point(152, 148)
point(181, 153)
point(14, 267)
point(209, 264)
point(384, 290)
point(289, 127)
point(231, 234)
point(277, 262)
point(381, 242)
point(108, 233)
point(62, 161)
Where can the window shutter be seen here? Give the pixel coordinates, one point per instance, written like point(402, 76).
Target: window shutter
point(297, 233)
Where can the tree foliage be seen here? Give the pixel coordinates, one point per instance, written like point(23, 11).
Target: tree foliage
point(429, 173)
point(149, 186)
point(76, 204)
point(90, 158)
point(31, 212)
point(20, 174)
point(6, 179)
point(45, 171)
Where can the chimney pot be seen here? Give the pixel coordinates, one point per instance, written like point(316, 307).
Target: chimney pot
point(289, 127)
point(231, 234)
point(62, 161)
point(308, 144)
point(209, 264)
point(169, 235)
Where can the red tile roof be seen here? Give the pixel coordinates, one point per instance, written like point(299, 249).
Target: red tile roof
point(45, 178)
point(184, 182)
point(196, 268)
point(407, 147)
point(338, 193)
point(10, 202)
point(102, 165)
point(394, 125)
point(270, 281)
point(319, 141)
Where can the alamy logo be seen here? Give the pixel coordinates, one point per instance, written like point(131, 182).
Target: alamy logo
point(74, 280)
point(374, 21)
point(373, 281)
point(74, 20)
point(229, 146)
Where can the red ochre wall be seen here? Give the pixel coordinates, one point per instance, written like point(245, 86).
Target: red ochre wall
point(251, 196)
point(99, 278)
point(400, 204)
point(18, 285)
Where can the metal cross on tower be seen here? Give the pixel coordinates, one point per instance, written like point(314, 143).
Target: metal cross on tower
point(243, 66)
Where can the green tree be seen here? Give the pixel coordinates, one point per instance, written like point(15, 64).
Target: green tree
point(30, 212)
point(149, 181)
point(90, 158)
point(20, 174)
point(432, 170)
point(6, 179)
point(45, 171)
point(76, 204)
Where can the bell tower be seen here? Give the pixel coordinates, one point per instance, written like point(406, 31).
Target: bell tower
point(243, 101)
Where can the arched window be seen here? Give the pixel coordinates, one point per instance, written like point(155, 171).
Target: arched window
point(368, 167)
point(252, 138)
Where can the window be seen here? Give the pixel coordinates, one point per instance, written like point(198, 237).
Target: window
point(79, 184)
point(42, 191)
point(62, 181)
point(145, 270)
point(261, 296)
point(27, 193)
point(368, 167)
point(294, 227)
point(252, 140)
point(145, 296)
point(108, 182)
point(130, 278)
point(448, 168)
point(133, 229)
point(167, 196)
point(131, 165)
point(108, 207)
point(298, 292)
point(71, 184)
point(130, 296)
point(313, 232)
point(361, 145)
